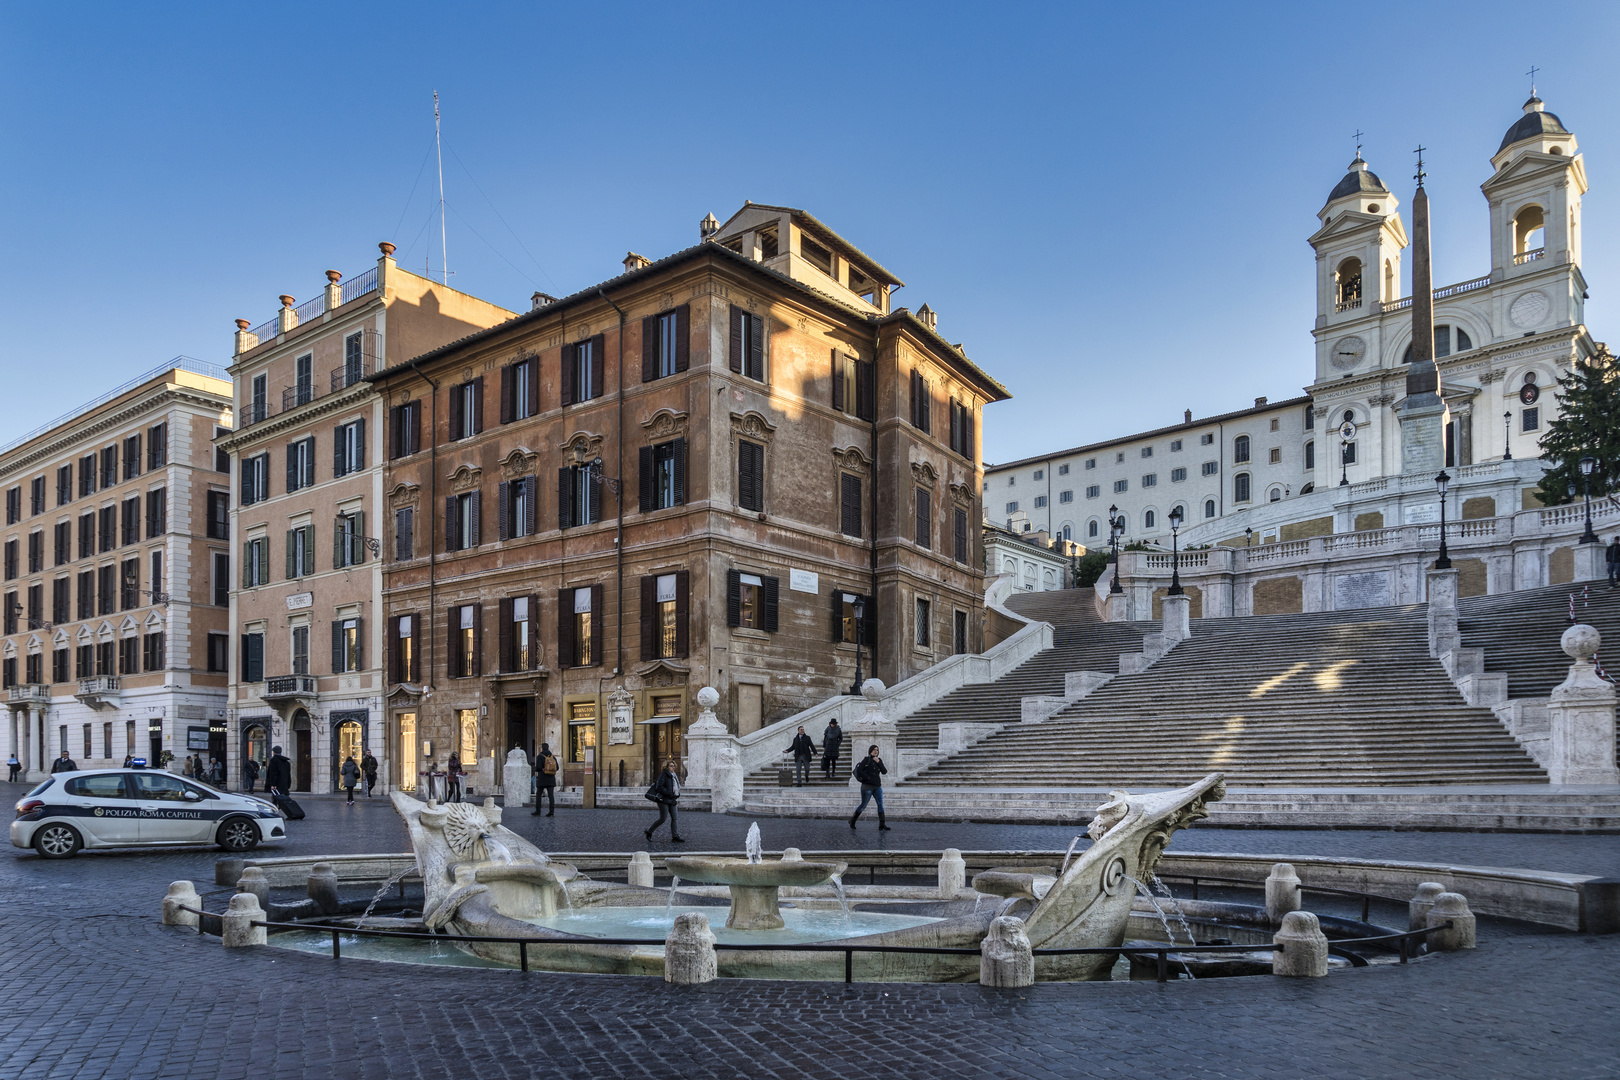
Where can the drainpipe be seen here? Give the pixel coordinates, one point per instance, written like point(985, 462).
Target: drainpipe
point(618, 539)
point(877, 349)
point(433, 539)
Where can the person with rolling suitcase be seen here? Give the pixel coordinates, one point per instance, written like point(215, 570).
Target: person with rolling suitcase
point(278, 781)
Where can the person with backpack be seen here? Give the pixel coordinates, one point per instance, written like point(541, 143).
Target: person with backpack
point(368, 766)
point(545, 780)
point(869, 774)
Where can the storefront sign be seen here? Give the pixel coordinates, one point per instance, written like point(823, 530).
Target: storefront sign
point(196, 738)
point(621, 713)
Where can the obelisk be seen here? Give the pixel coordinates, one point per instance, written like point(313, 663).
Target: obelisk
point(1423, 413)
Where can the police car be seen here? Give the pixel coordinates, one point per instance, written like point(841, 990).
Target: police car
point(100, 808)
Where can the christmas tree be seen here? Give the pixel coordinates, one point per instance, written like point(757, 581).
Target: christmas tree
point(1588, 425)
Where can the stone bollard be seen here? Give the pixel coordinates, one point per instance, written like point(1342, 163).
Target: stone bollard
point(952, 874)
point(181, 894)
point(792, 854)
point(641, 870)
point(227, 872)
point(321, 887)
point(1305, 947)
point(515, 777)
point(1005, 957)
point(1451, 907)
point(253, 881)
point(236, 925)
point(689, 950)
point(1417, 909)
point(1282, 892)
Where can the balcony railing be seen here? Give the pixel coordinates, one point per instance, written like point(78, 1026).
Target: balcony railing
point(29, 694)
point(101, 684)
point(294, 396)
point(289, 686)
point(357, 287)
point(256, 412)
point(1348, 305)
point(1529, 256)
point(316, 307)
point(1441, 294)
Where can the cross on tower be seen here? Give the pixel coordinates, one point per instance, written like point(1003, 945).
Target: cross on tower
point(1532, 74)
point(1420, 173)
point(1359, 134)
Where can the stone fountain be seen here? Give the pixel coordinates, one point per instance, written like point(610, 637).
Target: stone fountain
point(753, 882)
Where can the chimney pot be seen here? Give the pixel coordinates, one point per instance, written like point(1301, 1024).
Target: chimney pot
point(708, 227)
point(333, 276)
point(540, 300)
point(286, 301)
point(242, 324)
point(632, 261)
point(1188, 418)
point(1259, 402)
point(387, 249)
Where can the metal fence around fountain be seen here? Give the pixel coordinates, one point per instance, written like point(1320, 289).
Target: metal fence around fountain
point(1162, 954)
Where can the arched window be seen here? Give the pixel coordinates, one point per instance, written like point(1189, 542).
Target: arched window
point(1529, 232)
point(1148, 520)
point(1068, 533)
point(1349, 285)
point(1091, 527)
point(1209, 508)
point(1275, 495)
point(1180, 511)
point(1310, 455)
point(1240, 449)
point(1389, 281)
point(1240, 487)
point(1447, 340)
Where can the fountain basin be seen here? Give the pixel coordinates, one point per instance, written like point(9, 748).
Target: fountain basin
point(754, 885)
point(523, 890)
point(799, 925)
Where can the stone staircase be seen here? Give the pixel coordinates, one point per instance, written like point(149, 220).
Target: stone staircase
point(1309, 701)
point(1520, 631)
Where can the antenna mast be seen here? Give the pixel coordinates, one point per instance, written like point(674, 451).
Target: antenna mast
point(438, 149)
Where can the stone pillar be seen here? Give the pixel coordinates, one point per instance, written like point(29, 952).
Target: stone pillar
point(704, 738)
point(286, 318)
point(1117, 608)
point(181, 894)
point(1417, 909)
point(1305, 947)
point(515, 777)
point(1005, 957)
point(236, 925)
point(725, 777)
point(253, 881)
point(334, 291)
point(1451, 907)
point(1177, 621)
point(952, 874)
point(641, 870)
point(689, 950)
point(1443, 634)
point(1589, 562)
point(483, 777)
point(873, 727)
point(244, 340)
point(1581, 716)
point(1282, 892)
point(321, 887)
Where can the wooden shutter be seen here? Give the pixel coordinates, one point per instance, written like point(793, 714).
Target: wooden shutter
point(534, 631)
point(357, 538)
point(598, 625)
point(849, 504)
point(478, 404)
point(359, 445)
point(649, 491)
point(292, 563)
point(925, 405)
point(340, 546)
point(503, 502)
point(565, 498)
point(649, 349)
point(925, 518)
point(452, 535)
point(679, 468)
point(404, 538)
point(649, 618)
point(598, 354)
point(391, 651)
point(292, 467)
point(396, 431)
point(337, 646)
point(457, 427)
point(961, 536)
point(452, 655)
point(503, 634)
point(737, 343)
point(534, 386)
point(593, 484)
point(838, 390)
point(530, 504)
point(414, 410)
point(838, 614)
point(683, 583)
point(751, 476)
point(733, 598)
point(773, 599)
point(567, 647)
point(756, 347)
point(914, 398)
point(865, 390)
point(683, 338)
point(956, 427)
point(476, 516)
point(507, 409)
point(568, 352)
point(967, 431)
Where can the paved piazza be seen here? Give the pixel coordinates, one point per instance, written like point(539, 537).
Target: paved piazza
point(94, 987)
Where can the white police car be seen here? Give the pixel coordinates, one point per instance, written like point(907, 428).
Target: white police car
point(99, 808)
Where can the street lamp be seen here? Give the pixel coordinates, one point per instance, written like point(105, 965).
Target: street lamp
point(859, 608)
point(1248, 536)
point(1114, 528)
point(1588, 463)
point(1440, 482)
point(1175, 553)
point(1507, 435)
point(1347, 435)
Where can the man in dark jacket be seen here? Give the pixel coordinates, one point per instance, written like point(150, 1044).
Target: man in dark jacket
point(368, 765)
point(546, 768)
point(869, 774)
point(665, 791)
point(64, 764)
point(277, 773)
point(1612, 557)
point(802, 749)
point(250, 773)
point(832, 741)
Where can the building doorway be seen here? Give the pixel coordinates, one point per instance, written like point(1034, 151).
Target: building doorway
point(217, 751)
point(256, 746)
point(302, 772)
point(519, 728)
point(664, 735)
point(349, 743)
point(406, 767)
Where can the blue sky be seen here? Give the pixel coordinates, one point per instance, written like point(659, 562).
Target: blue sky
point(1107, 204)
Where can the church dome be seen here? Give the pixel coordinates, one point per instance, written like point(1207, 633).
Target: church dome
point(1360, 180)
point(1535, 122)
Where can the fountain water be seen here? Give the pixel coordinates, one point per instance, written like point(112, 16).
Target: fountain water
point(1175, 907)
point(838, 888)
point(499, 851)
point(1068, 855)
point(752, 846)
point(1147, 894)
point(674, 883)
point(393, 879)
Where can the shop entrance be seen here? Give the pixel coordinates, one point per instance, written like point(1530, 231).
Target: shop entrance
point(519, 727)
point(256, 746)
point(216, 752)
point(405, 768)
point(664, 735)
point(302, 772)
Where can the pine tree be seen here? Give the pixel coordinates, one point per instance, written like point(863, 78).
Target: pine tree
point(1588, 425)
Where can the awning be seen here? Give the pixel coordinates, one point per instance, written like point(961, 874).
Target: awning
point(660, 720)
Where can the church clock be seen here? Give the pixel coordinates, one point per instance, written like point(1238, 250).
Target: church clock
point(1347, 353)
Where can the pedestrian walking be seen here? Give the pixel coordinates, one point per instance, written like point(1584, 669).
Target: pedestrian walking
point(129, 761)
point(1612, 557)
point(832, 741)
point(665, 791)
point(13, 767)
point(277, 773)
point(545, 780)
point(452, 778)
point(802, 749)
point(216, 773)
point(368, 766)
point(64, 764)
point(869, 774)
point(351, 776)
point(250, 773)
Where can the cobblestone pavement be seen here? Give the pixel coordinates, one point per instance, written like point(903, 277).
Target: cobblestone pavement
point(95, 988)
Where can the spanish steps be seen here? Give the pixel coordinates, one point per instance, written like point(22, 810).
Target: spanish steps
point(1519, 632)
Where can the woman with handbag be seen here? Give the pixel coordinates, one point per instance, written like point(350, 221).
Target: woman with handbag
point(665, 791)
point(545, 779)
point(452, 778)
point(869, 774)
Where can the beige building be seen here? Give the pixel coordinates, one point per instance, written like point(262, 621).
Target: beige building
point(115, 625)
point(306, 589)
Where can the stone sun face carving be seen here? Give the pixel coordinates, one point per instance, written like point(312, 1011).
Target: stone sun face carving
point(464, 826)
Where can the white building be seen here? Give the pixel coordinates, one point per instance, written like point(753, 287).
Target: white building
point(1035, 562)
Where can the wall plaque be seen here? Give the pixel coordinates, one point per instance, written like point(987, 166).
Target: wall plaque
point(804, 581)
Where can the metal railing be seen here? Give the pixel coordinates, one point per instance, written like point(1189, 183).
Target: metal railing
point(310, 309)
point(294, 396)
point(1441, 293)
point(256, 412)
point(182, 363)
point(267, 330)
point(355, 287)
point(1529, 256)
point(347, 374)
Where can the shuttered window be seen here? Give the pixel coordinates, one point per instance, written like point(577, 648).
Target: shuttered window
point(131, 512)
point(252, 665)
point(925, 518)
point(404, 534)
point(920, 403)
point(87, 475)
point(157, 513)
point(849, 504)
point(405, 429)
point(662, 475)
point(516, 512)
point(464, 625)
point(747, 354)
point(579, 496)
point(665, 344)
point(348, 448)
point(300, 551)
point(843, 617)
point(132, 457)
point(519, 633)
point(582, 374)
point(751, 476)
point(467, 409)
point(462, 514)
point(752, 600)
point(402, 661)
point(959, 535)
point(64, 485)
point(520, 390)
point(664, 615)
point(578, 628)
point(347, 646)
point(349, 539)
point(157, 446)
point(219, 515)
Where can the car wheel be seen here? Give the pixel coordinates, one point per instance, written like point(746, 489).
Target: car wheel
point(57, 841)
point(238, 834)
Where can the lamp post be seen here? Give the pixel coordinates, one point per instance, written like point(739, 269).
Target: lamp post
point(1113, 548)
point(1248, 536)
point(1440, 483)
point(1507, 435)
point(1588, 464)
point(1175, 553)
point(860, 624)
point(1347, 435)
